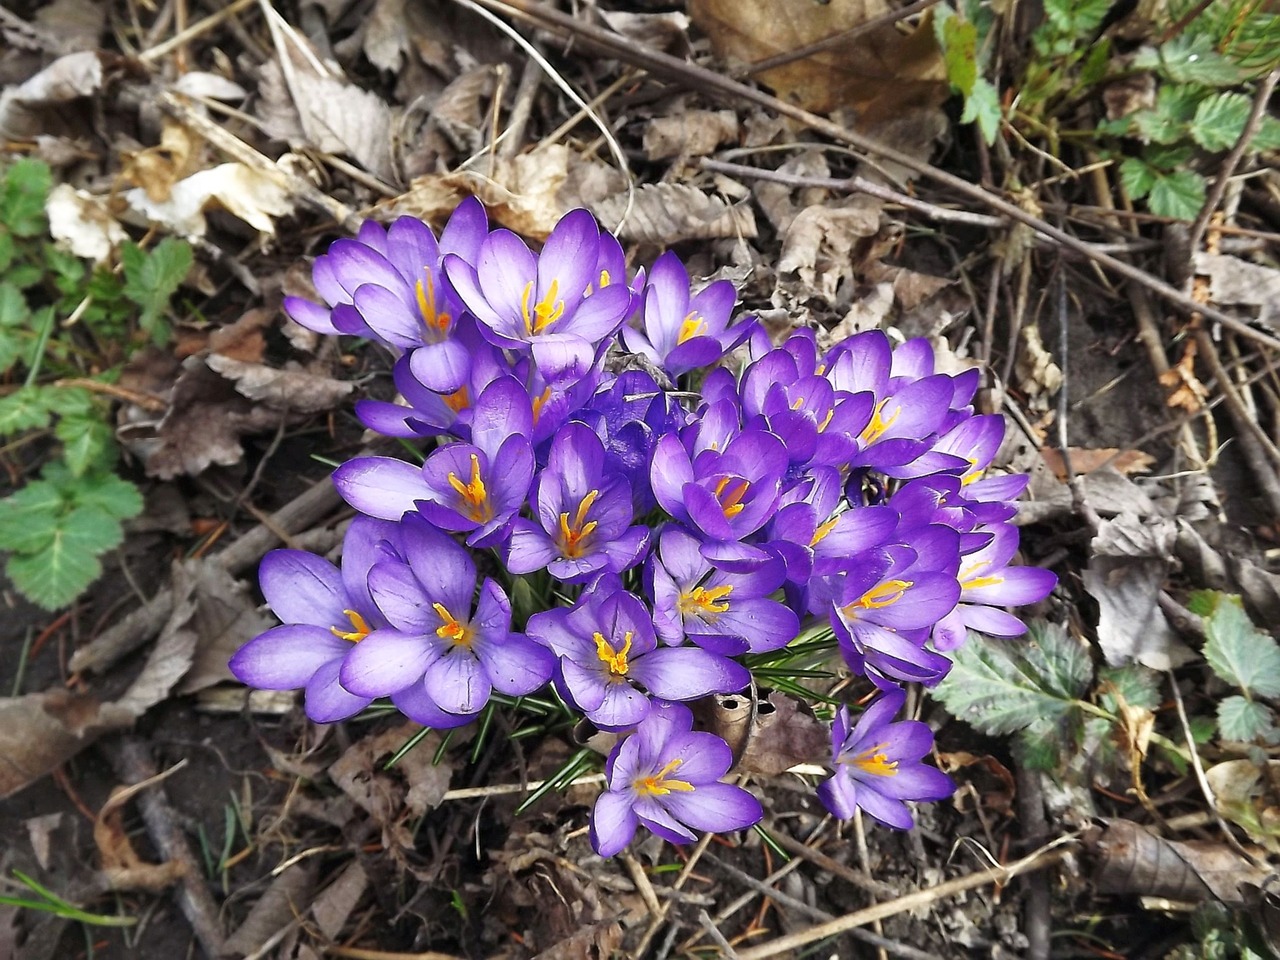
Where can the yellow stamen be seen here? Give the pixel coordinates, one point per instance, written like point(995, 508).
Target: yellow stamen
point(692, 326)
point(703, 603)
point(822, 531)
point(604, 279)
point(827, 419)
point(459, 400)
point(659, 784)
point(572, 536)
point(545, 312)
point(539, 402)
point(615, 659)
point(731, 502)
point(475, 498)
point(886, 594)
point(876, 762)
point(458, 633)
point(437, 321)
point(359, 630)
point(972, 474)
point(878, 425)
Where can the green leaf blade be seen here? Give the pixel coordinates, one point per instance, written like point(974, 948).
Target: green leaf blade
point(1244, 720)
point(1237, 652)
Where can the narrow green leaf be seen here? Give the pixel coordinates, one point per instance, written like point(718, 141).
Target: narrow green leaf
point(1000, 686)
point(1179, 195)
point(1246, 720)
point(1238, 652)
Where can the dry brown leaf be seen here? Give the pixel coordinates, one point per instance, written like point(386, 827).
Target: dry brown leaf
point(1134, 861)
point(77, 24)
point(1034, 371)
point(1241, 283)
point(692, 133)
point(30, 108)
point(1242, 796)
point(292, 389)
point(223, 617)
point(281, 903)
point(40, 731)
point(252, 195)
point(156, 169)
point(82, 223)
point(786, 734)
point(910, 288)
point(1088, 459)
point(306, 102)
point(665, 213)
point(880, 75)
point(122, 867)
point(662, 31)
point(333, 907)
point(818, 245)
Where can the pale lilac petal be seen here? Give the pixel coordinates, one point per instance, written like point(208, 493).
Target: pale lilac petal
point(1015, 587)
point(613, 823)
point(388, 316)
point(585, 685)
point(840, 795)
point(286, 657)
point(303, 588)
point(703, 757)
point(326, 701)
point(458, 683)
point(380, 487)
point(310, 315)
point(715, 807)
point(890, 812)
point(653, 814)
point(687, 673)
point(623, 706)
point(416, 704)
point(991, 621)
point(386, 661)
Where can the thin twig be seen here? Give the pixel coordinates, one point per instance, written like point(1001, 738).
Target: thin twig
point(1041, 859)
point(1232, 161)
point(714, 933)
point(711, 83)
point(161, 50)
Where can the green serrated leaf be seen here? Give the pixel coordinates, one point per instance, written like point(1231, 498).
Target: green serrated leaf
point(29, 518)
point(960, 53)
point(1179, 195)
point(15, 316)
point(1189, 57)
point(23, 191)
point(1000, 686)
point(1246, 720)
point(983, 106)
point(152, 278)
point(1136, 177)
point(1168, 121)
point(86, 443)
point(1238, 652)
point(1268, 135)
point(54, 577)
point(25, 409)
point(108, 493)
point(1076, 18)
point(1220, 119)
point(1139, 686)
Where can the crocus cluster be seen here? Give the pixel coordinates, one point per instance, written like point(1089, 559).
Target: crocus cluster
point(666, 515)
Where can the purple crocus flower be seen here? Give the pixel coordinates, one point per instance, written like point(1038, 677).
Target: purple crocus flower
point(887, 600)
point(987, 582)
point(388, 285)
point(477, 487)
point(606, 646)
point(327, 612)
point(721, 611)
point(878, 764)
point(438, 653)
point(584, 515)
point(541, 303)
point(682, 332)
point(667, 777)
point(725, 495)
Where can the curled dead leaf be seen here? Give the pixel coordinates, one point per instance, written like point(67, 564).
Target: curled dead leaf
point(693, 133)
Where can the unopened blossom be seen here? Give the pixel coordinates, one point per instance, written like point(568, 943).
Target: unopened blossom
point(667, 778)
point(583, 515)
point(610, 661)
point(680, 332)
point(477, 487)
point(441, 647)
point(326, 611)
point(725, 612)
point(878, 764)
point(388, 284)
point(988, 582)
point(551, 304)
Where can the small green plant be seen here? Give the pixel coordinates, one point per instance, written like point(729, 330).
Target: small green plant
point(64, 327)
point(1244, 658)
point(1200, 78)
point(46, 901)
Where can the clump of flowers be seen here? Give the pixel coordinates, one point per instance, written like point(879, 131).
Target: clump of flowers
point(662, 539)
